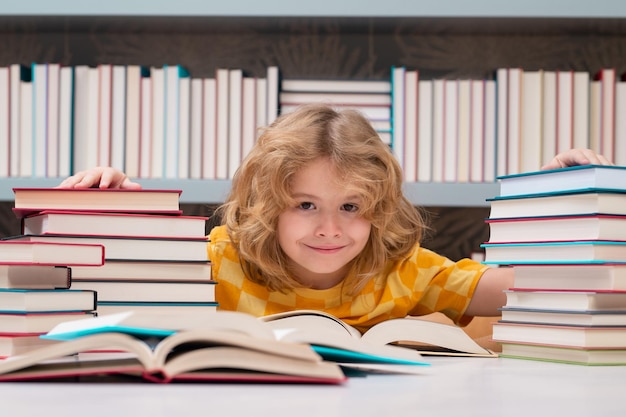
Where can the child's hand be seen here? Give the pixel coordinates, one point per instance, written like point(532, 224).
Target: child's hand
point(99, 177)
point(576, 157)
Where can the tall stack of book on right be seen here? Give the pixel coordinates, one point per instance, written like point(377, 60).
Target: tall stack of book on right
point(563, 232)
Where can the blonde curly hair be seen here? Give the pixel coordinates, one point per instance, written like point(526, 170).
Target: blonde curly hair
point(261, 191)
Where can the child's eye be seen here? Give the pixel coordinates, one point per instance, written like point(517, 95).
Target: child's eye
point(350, 208)
point(306, 205)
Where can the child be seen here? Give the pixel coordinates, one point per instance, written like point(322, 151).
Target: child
point(316, 219)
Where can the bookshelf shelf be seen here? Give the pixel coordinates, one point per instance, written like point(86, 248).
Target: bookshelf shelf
point(215, 191)
point(348, 8)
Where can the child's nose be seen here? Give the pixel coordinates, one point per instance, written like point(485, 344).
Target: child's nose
point(328, 225)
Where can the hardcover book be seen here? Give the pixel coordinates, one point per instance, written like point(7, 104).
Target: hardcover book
point(32, 200)
point(574, 178)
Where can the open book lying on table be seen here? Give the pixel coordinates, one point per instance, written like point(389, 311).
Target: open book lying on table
point(427, 337)
point(223, 346)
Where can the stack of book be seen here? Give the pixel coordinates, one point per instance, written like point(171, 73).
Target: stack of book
point(370, 97)
point(155, 257)
point(34, 290)
point(564, 234)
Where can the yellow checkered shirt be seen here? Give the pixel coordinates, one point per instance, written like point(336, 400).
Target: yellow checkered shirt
point(422, 283)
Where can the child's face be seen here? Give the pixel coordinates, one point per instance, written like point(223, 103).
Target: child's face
point(323, 232)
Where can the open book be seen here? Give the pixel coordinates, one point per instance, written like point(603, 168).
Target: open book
point(188, 355)
point(235, 344)
point(427, 337)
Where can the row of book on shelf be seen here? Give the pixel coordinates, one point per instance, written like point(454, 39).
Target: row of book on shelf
point(161, 122)
point(94, 272)
point(564, 234)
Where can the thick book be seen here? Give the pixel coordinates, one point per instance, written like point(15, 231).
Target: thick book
point(564, 317)
point(133, 248)
point(149, 291)
point(605, 357)
point(348, 351)
point(597, 337)
point(427, 337)
point(578, 251)
point(37, 322)
point(19, 344)
point(145, 270)
point(115, 307)
point(557, 228)
point(558, 299)
point(575, 178)
point(335, 86)
point(14, 252)
point(35, 276)
point(114, 224)
point(574, 276)
point(33, 200)
point(560, 203)
point(201, 355)
point(31, 301)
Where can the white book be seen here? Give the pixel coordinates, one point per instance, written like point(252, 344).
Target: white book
point(514, 112)
point(209, 129)
point(438, 130)
point(502, 91)
point(370, 99)
point(16, 72)
point(531, 127)
point(261, 103)
point(104, 114)
point(425, 131)
point(222, 123)
point(195, 129)
point(565, 110)
point(118, 117)
point(184, 121)
point(235, 103)
point(489, 153)
point(84, 153)
point(372, 113)
point(411, 80)
point(52, 135)
point(548, 132)
point(274, 86)
point(145, 136)
point(248, 116)
point(66, 111)
point(463, 131)
point(5, 159)
point(173, 74)
point(451, 130)
point(607, 77)
point(26, 129)
point(620, 123)
point(337, 86)
point(40, 119)
point(595, 118)
point(157, 165)
point(477, 131)
point(397, 117)
point(133, 120)
point(581, 110)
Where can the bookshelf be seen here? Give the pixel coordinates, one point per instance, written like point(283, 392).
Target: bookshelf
point(447, 39)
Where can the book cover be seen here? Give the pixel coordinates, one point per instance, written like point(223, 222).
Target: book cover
point(579, 177)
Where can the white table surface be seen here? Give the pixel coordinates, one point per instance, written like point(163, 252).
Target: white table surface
point(453, 387)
